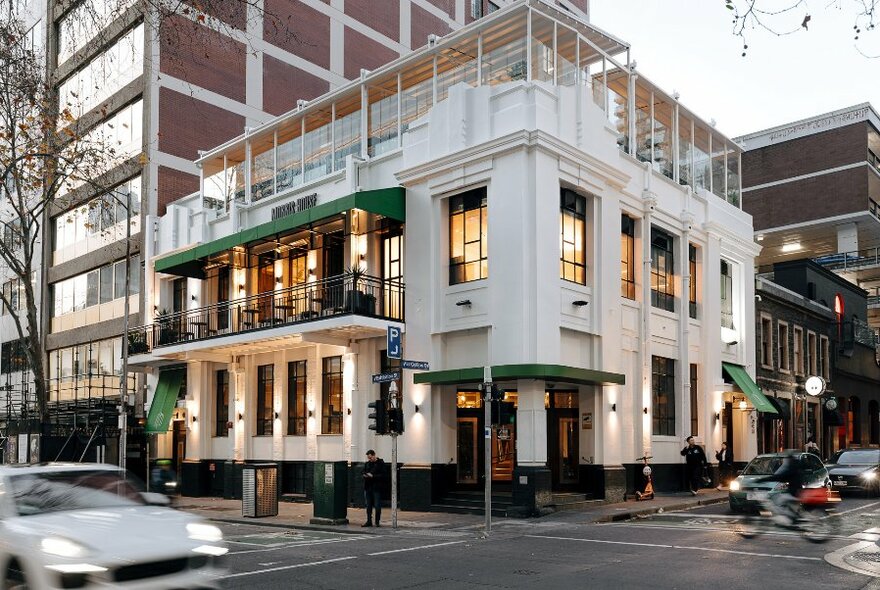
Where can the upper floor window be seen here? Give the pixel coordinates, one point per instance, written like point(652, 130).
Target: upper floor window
point(102, 216)
point(13, 357)
point(468, 233)
point(95, 287)
point(726, 295)
point(692, 285)
point(766, 341)
point(798, 347)
point(662, 270)
point(824, 358)
point(782, 344)
point(627, 257)
point(573, 259)
point(811, 353)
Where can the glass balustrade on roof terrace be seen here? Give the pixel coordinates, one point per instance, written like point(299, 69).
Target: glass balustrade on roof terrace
point(528, 40)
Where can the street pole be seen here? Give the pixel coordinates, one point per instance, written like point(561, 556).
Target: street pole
point(392, 393)
point(123, 377)
point(487, 445)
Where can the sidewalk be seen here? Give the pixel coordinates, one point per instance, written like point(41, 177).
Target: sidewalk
point(297, 515)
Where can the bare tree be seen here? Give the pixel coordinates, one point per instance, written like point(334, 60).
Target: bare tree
point(787, 17)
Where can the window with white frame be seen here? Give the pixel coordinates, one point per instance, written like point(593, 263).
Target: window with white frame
point(811, 353)
point(825, 363)
point(782, 345)
point(798, 348)
point(766, 341)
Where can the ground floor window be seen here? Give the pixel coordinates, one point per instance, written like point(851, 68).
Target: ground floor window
point(663, 396)
point(221, 427)
point(331, 396)
point(265, 388)
point(296, 398)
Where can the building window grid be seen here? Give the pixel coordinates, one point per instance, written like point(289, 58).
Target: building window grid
point(811, 353)
point(824, 364)
point(662, 271)
point(573, 237)
point(265, 394)
point(627, 257)
point(766, 341)
point(783, 347)
point(663, 396)
point(296, 398)
point(798, 346)
point(695, 395)
point(221, 421)
point(96, 287)
point(468, 237)
point(692, 286)
point(331, 395)
point(726, 295)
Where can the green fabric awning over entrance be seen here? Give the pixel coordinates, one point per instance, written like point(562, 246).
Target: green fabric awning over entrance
point(526, 371)
point(388, 202)
point(164, 400)
point(748, 386)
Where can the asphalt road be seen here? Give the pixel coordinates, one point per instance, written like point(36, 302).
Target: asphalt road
point(688, 550)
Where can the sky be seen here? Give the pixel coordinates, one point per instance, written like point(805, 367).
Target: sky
point(688, 46)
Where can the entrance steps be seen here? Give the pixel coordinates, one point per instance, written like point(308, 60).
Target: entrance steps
point(472, 502)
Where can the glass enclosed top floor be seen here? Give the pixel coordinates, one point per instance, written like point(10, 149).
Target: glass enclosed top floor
point(527, 40)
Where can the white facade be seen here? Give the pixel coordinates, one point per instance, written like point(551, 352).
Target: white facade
point(523, 142)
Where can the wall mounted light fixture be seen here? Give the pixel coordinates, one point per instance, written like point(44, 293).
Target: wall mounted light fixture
point(717, 416)
point(580, 303)
point(613, 407)
point(240, 416)
point(348, 411)
point(417, 408)
point(645, 409)
point(311, 414)
point(276, 415)
point(195, 419)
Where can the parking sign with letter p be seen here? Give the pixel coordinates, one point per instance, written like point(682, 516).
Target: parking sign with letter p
point(394, 348)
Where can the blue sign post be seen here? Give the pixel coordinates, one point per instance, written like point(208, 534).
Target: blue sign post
point(395, 350)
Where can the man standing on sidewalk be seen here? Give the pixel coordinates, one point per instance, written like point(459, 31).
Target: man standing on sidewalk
point(374, 471)
point(695, 460)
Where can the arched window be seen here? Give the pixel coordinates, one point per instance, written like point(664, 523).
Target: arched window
point(874, 421)
point(854, 421)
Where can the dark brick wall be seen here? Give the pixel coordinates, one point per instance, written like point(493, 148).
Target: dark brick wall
point(804, 155)
point(380, 15)
point(448, 6)
point(172, 185)
point(283, 85)
point(423, 24)
point(808, 199)
point(299, 29)
point(188, 124)
point(363, 52)
point(203, 57)
point(233, 14)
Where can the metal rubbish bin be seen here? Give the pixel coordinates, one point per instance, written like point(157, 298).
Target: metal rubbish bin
point(259, 490)
point(330, 499)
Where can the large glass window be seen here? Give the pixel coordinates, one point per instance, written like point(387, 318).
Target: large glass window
point(296, 398)
point(83, 22)
point(456, 65)
point(346, 130)
point(263, 167)
point(782, 347)
point(662, 138)
point(468, 243)
point(692, 286)
point(726, 295)
point(317, 144)
point(331, 395)
point(719, 174)
point(265, 392)
point(289, 158)
point(663, 395)
point(504, 55)
point(102, 216)
point(542, 49)
point(13, 357)
point(417, 91)
point(382, 97)
point(695, 400)
point(701, 158)
point(662, 270)
point(627, 257)
point(221, 404)
point(95, 287)
point(573, 256)
point(685, 149)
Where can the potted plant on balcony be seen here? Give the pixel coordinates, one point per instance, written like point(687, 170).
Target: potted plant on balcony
point(167, 330)
point(137, 342)
point(356, 301)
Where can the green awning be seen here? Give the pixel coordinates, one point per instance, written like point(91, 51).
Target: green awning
point(525, 371)
point(164, 400)
point(388, 202)
point(748, 386)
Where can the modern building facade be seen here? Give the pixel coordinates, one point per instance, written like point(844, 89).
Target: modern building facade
point(828, 166)
point(516, 196)
point(165, 86)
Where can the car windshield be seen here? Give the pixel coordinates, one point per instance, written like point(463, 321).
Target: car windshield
point(763, 466)
point(866, 457)
point(55, 491)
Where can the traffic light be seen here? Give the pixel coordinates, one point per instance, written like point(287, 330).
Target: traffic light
point(496, 394)
point(379, 416)
point(503, 413)
point(395, 420)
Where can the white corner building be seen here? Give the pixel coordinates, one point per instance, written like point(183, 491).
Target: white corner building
point(515, 195)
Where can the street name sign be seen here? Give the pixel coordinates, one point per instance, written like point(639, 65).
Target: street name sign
point(417, 365)
point(386, 377)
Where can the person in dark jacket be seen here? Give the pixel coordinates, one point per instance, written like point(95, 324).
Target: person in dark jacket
point(725, 464)
point(374, 471)
point(695, 461)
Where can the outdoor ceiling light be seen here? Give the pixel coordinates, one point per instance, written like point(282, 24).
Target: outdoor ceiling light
point(791, 247)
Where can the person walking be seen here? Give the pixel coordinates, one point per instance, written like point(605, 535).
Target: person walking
point(725, 465)
point(374, 472)
point(695, 461)
point(812, 447)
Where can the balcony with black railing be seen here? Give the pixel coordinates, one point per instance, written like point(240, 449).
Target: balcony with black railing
point(342, 295)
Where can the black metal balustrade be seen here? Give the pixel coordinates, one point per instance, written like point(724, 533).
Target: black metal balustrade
point(333, 296)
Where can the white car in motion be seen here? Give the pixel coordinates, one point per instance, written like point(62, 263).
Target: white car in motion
point(85, 526)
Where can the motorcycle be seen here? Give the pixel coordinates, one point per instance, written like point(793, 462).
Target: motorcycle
point(812, 515)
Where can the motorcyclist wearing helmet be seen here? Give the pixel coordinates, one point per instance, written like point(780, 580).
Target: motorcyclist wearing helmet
point(791, 472)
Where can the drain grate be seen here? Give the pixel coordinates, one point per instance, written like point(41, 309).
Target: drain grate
point(525, 573)
point(869, 556)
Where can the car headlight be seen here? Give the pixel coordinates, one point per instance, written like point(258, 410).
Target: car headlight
point(735, 485)
point(62, 547)
point(200, 531)
point(869, 475)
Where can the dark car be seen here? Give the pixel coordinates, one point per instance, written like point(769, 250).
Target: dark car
point(747, 490)
point(855, 470)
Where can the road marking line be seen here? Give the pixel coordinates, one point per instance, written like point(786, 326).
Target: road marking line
point(292, 545)
point(416, 548)
point(853, 509)
point(686, 547)
point(673, 527)
point(289, 567)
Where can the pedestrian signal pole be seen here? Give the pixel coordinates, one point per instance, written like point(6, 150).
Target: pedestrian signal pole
point(487, 444)
point(392, 391)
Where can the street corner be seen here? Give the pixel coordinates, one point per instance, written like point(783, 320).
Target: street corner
point(860, 558)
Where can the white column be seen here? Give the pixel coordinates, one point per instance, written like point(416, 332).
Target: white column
point(278, 404)
point(349, 394)
point(531, 424)
point(237, 387)
point(313, 395)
